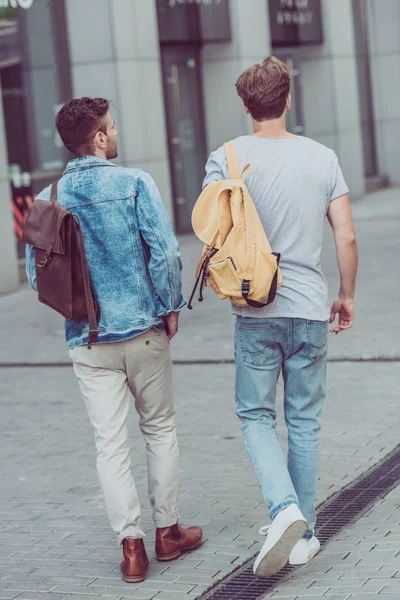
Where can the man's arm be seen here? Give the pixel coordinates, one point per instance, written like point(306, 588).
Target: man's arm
point(165, 258)
point(341, 221)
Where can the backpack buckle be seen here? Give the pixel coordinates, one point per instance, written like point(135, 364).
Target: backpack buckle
point(245, 287)
point(44, 262)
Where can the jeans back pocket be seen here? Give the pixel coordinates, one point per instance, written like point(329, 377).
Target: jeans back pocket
point(317, 338)
point(257, 343)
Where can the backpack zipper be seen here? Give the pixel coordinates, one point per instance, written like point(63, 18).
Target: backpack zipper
point(222, 260)
point(233, 262)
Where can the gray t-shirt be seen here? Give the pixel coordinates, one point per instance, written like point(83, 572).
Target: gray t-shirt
point(292, 183)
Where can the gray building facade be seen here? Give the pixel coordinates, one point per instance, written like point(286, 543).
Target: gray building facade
point(170, 67)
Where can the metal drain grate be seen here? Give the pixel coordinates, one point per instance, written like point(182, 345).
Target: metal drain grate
point(342, 509)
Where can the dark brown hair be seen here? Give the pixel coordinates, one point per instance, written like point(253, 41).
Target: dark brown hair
point(78, 122)
point(264, 89)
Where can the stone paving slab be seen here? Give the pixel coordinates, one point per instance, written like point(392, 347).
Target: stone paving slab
point(55, 540)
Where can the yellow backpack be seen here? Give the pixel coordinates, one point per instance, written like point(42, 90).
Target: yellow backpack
point(237, 259)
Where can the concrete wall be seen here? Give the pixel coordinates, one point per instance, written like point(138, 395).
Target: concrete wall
point(114, 53)
point(384, 44)
point(222, 65)
point(330, 96)
point(9, 277)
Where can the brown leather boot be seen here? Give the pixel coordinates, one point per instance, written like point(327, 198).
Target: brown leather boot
point(135, 562)
point(172, 541)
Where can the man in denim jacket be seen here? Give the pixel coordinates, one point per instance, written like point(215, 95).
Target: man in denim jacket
point(135, 272)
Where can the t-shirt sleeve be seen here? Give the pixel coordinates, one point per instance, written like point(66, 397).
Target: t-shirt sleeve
point(216, 168)
point(338, 185)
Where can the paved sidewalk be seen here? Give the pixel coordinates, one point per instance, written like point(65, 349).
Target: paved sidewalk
point(55, 540)
point(362, 563)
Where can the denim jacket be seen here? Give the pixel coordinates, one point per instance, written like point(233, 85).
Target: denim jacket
point(132, 253)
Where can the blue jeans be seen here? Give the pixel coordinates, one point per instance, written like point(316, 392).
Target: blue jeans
point(297, 347)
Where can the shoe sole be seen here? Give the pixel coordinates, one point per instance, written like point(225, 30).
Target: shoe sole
point(277, 557)
point(310, 557)
point(177, 554)
point(137, 579)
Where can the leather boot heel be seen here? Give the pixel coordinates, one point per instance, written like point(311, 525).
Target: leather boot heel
point(137, 579)
point(135, 562)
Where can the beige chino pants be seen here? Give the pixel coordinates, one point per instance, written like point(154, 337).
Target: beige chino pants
point(106, 373)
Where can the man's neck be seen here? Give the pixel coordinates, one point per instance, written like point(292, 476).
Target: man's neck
point(100, 154)
point(273, 129)
point(97, 154)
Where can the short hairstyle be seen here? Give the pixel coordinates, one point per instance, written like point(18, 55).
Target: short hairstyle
point(78, 122)
point(264, 89)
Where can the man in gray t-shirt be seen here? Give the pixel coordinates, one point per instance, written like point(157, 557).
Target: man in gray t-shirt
point(292, 183)
point(295, 183)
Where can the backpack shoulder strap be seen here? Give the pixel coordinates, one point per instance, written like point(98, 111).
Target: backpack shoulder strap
point(93, 331)
point(232, 160)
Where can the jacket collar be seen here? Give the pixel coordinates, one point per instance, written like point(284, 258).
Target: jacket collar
point(86, 162)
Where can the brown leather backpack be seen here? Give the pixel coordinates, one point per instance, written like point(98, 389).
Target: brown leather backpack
point(62, 273)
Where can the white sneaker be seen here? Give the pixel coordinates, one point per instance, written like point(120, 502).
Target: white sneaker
point(286, 529)
point(304, 551)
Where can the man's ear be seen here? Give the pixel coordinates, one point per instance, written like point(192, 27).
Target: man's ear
point(246, 110)
point(100, 140)
point(288, 101)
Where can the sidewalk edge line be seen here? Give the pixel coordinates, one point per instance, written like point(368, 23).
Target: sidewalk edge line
point(188, 363)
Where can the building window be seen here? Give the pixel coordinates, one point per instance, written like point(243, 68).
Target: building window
point(35, 82)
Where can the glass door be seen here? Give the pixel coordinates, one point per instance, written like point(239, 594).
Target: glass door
point(185, 128)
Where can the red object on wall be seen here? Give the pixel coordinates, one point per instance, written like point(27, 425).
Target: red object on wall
point(21, 205)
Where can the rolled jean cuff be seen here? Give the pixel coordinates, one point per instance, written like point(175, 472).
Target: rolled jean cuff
point(280, 506)
point(308, 535)
point(166, 520)
point(131, 532)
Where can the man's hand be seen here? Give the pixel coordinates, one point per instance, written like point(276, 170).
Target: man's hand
point(345, 310)
point(171, 324)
